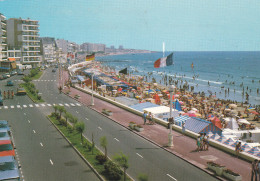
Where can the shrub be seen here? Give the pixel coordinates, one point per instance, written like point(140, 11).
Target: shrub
point(62, 121)
point(142, 177)
point(101, 158)
point(39, 97)
point(113, 171)
point(53, 114)
point(70, 129)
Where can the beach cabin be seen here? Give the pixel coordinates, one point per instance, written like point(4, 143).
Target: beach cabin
point(162, 112)
point(197, 125)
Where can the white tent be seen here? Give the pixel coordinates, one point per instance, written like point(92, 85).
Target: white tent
point(243, 121)
point(232, 124)
point(162, 112)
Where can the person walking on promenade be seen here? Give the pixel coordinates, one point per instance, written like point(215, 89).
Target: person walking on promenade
point(201, 141)
point(144, 117)
point(254, 170)
point(4, 95)
point(207, 143)
point(198, 144)
point(12, 92)
point(8, 94)
point(148, 117)
point(238, 148)
point(183, 127)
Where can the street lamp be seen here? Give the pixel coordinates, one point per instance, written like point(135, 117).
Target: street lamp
point(170, 135)
point(92, 97)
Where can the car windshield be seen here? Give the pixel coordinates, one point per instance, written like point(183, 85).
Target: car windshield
point(6, 147)
point(7, 166)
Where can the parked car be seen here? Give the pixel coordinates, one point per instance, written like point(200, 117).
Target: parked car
point(20, 72)
point(53, 70)
point(10, 83)
point(21, 91)
point(1, 77)
point(7, 75)
point(13, 73)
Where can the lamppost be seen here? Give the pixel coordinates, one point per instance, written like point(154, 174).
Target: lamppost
point(92, 97)
point(170, 135)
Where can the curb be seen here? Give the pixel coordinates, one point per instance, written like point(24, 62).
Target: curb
point(82, 157)
point(160, 146)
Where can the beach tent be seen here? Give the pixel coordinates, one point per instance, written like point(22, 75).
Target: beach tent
point(245, 147)
point(254, 151)
point(232, 124)
point(162, 112)
point(201, 126)
point(221, 138)
point(179, 120)
point(229, 141)
point(142, 106)
point(216, 122)
point(243, 121)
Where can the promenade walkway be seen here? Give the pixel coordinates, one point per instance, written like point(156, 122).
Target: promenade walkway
point(184, 146)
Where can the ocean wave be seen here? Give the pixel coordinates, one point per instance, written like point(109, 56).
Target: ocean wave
point(210, 81)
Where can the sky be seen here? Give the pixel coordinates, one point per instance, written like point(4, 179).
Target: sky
point(184, 25)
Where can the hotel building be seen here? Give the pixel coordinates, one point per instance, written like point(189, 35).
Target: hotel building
point(3, 38)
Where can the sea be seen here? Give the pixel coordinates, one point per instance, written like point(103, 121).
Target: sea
point(213, 72)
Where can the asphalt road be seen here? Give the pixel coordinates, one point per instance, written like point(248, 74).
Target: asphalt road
point(144, 157)
point(41, 151)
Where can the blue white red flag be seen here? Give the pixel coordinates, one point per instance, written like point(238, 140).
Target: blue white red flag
point(165, 61)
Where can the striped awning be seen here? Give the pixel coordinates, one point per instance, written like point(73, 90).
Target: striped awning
point(229, 141)
point(254, 151)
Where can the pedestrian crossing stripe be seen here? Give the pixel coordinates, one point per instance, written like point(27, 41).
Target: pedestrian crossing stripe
point(40, 105)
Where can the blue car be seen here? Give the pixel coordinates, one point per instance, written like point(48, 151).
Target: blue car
point(10, 83)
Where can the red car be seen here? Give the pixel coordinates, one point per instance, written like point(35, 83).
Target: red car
point(6, 148)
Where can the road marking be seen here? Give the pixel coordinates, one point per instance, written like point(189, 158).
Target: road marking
point(171, 177)
point(116, 139)
point(78, 104)
point(139, 155)
point(51, 162)
point(24, 106)
point(24, 113)
point(48, 80)
point(37, 105)
point(48, 104)
point(54, 104)
point(67, 105)
point(12, 107)
point(29, 121)
point(18, 106)
point(45, 80)
point(86, 118)
point(6, 107)
point(61, 104)
point(72, 104)
point(34, 131)
point(100, 128)
point(30, 105)
point(41, 144)
point(43, 105)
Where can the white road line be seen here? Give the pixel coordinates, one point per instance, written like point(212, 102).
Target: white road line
point(24, 113)
point(6, 107)
point(171, 177)
point(67, 105)
point(139, 155)
point(100, 128)
point(12, 107)
point(48, 104)
point(24, 106)
point(29, 121)
point(34, 131)
point(43, 105)
point(72, 104)
point(78, 104)
point(116, 139)
point(86, 118)
point(54, 104)
point(61, 104)
point(51, 162)
point(37, 105)
point(30, 105)
point(45, 80)
point(41, 144)
point(48, 80)
point(18, 106)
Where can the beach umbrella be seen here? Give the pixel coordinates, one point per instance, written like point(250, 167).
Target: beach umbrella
point(254, 151)
point(194, 109)
point(192, 115)
point(181, 102)
point(243, 121)
point(157, 90)
point(245, 147)
point(191, 112)
point(160, 95)
point(229, 141)
point(232, 105)
point(227, 110)
point(176, 95)
point(254, 112)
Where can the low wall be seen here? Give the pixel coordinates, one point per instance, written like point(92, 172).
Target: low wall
point(213, 143)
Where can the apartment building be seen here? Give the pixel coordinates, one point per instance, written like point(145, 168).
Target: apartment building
point(48, 49)
point(3, 38)
point(24, 33)
point(93, 47)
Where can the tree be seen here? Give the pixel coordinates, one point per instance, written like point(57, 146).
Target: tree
point(80, 126)
point(55, 108)
point(26, 79)
point(122, 161)
point(93, 144)
point(103, 143)
point(142, 177)
point(61, 109)
point(73, 120)
point(67, 116)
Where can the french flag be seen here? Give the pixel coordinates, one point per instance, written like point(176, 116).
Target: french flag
point(165, 61)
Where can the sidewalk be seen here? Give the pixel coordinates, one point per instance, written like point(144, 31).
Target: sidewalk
point(184, 146)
